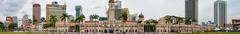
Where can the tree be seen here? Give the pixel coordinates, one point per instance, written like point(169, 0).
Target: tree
point(12, 26)
point(124, 18)
point(168, 20)
point(151, 25)
point(53, 20)
point(64, 18)
point(179, 20)
point(189, 21)
point(151, 21)
point(42, 19)
point(2, 26)
point(30, 21)
point(94, 16)
point(79, 19)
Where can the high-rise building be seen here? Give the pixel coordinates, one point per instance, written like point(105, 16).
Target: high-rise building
point(36, 12)
point(78, 10)
point(15, 19)
point(118, 10)
point(55, 9)
point(220, 12)
point(9, 20)
point(191, 9)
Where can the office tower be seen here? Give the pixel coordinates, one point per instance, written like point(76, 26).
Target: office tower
point(191, 9)
point(9, 20)
point(55, 9)
point(78, 10)
point(220, 12)
point(15, 19)
point(118, 10)
point(36, 13)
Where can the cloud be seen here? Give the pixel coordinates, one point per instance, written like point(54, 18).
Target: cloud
point(11, 7)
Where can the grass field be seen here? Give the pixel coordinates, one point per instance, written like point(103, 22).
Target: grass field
point(214, 33)
point(23, 33)
point(181, 33)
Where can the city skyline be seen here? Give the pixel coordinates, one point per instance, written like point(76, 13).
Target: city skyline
point(171, 7)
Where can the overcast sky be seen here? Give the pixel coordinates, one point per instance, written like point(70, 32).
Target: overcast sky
point(152, 9)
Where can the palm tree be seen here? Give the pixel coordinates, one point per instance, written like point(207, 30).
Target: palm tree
point(178, 21)
point(95, 17)
point(64, 18)
point(79, 19)
point(12, 26)
point(168, 20)
point(53, 20)
point(42, 19)
point(189, 21)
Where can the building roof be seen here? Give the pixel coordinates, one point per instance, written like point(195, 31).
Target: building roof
point(36, 5)
point(141, 16)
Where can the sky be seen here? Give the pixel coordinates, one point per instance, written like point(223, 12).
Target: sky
point(151, 9)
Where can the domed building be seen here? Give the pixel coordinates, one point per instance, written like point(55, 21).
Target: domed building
point(140, 18)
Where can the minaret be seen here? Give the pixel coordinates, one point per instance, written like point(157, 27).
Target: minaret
point(140, 18)
point(220, 12)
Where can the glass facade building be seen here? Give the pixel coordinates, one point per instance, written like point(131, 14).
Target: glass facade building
point(191, 9)
point(220, 12)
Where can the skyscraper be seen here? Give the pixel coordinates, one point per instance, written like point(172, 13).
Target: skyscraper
point(9, 20)
point(78, 10)
point(15, 19)
point(55, 9)
point(36, 12)
point(118, 10)
point(191, 9)
point(220, 12)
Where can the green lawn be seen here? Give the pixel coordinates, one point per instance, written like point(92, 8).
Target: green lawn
point(23, 33)
point(214, 33)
